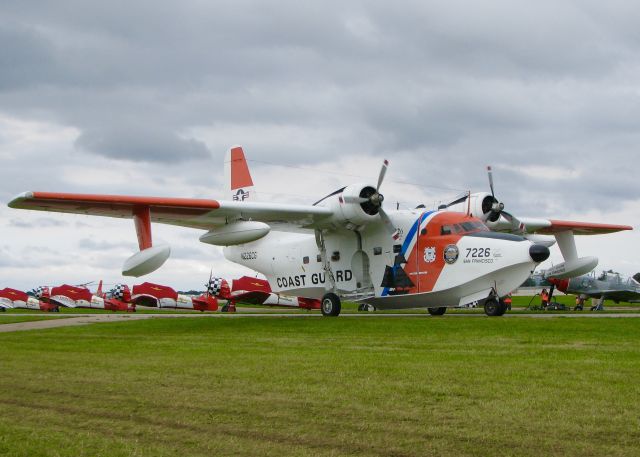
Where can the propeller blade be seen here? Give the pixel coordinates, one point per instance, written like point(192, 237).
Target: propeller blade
point(208, 285)
point(383, 171)
point(516, 224)
point(393, 231)
point(458, 200)
point(351, 199)
point(490, 173)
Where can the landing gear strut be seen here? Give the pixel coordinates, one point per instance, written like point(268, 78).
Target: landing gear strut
point(330, 305)
point(493, 307)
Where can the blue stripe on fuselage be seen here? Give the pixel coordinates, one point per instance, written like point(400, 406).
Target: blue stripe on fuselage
point(407, 241)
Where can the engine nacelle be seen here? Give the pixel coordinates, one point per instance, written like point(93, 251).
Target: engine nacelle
point(41, 292)
point(219, 287)
point(480, 204)
point(236, 233)
point(351, 214)
point(120, 292)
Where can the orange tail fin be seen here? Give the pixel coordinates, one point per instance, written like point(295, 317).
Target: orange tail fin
point(239, 184)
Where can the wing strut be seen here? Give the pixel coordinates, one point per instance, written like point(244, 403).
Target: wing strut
point(149, 258)
point(573, 265)
point(142, 222)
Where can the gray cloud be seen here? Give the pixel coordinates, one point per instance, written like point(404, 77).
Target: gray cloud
point(141, 145)
point(150, 95)
point(101, 245)
point(41, 222)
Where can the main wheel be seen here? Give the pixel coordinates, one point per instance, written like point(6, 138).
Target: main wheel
point(505, 306)
point(494, 308)
point(437, 311)
point(330, 305)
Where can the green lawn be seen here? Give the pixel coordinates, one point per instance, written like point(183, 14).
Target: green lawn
point(324, 387)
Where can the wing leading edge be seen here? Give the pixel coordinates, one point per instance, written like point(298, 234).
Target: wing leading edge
point(581, 228)
point(186, 212)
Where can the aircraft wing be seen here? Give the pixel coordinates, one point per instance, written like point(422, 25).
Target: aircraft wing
point(552, 226)
point(581, 228)
point(186, 212)
point(617, 295)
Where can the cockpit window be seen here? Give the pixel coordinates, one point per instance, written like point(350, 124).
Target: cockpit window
point(463, 228)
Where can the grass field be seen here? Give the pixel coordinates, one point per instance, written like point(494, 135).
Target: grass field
point(324, 387)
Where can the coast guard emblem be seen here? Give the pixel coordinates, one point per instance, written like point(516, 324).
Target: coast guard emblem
point(430, 254)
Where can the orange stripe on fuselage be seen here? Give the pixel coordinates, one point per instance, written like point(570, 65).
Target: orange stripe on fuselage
point(425, 274)
point(240, 176)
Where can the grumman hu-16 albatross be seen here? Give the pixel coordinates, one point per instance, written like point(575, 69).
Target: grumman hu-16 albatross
point(346, 245)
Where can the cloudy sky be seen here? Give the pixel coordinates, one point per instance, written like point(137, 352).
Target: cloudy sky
point(144, 98)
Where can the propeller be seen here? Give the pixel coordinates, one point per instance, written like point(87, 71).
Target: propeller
point(377, 198)
point(208, 284)
point(497, 209)
point(463, 198)
point(374, 201)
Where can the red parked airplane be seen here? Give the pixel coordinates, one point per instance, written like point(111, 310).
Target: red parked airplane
point(13, 298)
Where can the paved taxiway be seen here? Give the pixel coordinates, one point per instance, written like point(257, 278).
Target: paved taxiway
point(70, 320)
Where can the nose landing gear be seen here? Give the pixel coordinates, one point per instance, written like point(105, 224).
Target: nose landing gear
point(494, 307)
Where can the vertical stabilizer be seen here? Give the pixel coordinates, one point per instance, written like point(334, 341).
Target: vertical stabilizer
point(238, 182)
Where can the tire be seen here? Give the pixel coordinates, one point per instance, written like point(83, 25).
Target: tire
point(330, 305)
point(493, 307)
point(366, 308)
point(505, 307)
point(437, 311)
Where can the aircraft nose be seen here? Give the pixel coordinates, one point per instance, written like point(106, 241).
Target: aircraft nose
point(539, 253)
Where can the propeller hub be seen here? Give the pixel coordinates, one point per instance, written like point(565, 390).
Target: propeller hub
point(377, 199)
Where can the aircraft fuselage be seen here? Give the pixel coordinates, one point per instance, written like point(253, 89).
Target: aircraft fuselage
point(440, 259)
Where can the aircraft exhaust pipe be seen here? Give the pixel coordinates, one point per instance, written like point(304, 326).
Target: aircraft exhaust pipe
point(539, 253)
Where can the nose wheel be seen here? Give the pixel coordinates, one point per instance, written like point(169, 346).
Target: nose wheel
point(330, 305)
point(437, 311)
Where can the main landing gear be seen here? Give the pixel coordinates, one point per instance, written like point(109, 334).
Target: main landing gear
point(437, 311)
point(494, 307)
point(330, 305)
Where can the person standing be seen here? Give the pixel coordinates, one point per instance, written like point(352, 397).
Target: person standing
point(544, 296)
